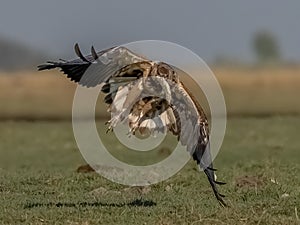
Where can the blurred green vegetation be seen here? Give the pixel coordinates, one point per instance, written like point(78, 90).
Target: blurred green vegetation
point(17, 56)
point(266, 47)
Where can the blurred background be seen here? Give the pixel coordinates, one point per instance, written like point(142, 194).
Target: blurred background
point(252, 47)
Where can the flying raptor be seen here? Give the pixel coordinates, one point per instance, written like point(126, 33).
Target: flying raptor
point(149, 94)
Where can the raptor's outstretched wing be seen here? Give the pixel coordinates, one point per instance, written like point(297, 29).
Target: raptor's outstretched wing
point(172, 109)
point(158, 102)
point(96, 68)
point(195, 134)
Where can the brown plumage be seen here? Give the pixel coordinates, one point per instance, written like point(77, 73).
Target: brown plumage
point(149, 94)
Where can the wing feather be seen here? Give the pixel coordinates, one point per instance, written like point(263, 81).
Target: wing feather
point(197, 140)
point(96, 68)
point(194, 131)
point(176, 110)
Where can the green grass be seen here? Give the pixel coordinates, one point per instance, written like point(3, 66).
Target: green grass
point(259, 160)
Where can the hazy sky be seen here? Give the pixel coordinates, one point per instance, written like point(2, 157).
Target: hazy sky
point(209, 28)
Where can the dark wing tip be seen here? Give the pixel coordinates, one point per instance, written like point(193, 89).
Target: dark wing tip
point(213, 182)
point(79, 53)
point(211, 168)
point(94, 53)
point(47, 66)
point(219, 182)
point(221, 200)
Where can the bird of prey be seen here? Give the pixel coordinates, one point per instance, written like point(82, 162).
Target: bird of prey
point(149, 94)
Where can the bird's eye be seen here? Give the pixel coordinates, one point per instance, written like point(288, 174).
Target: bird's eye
point(162, 70)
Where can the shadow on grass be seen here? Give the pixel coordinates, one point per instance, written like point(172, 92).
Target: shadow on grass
point(135, 203)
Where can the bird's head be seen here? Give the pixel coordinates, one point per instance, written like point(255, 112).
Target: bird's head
point(166, 71)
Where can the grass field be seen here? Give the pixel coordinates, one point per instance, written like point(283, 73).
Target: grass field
point(259, 160)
